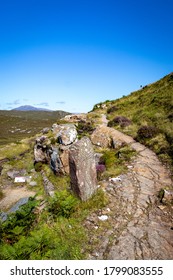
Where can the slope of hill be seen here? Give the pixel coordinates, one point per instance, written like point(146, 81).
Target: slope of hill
point(29, 108)
point(146, 115)
point(17, 125)
point(129, 217)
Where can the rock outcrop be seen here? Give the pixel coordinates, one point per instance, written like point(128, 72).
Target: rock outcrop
point(83, 169)
point(65, 134)
point(45, 152)
point(75, 118)
point(104, 137)
point(41, 150)
point(100, 138)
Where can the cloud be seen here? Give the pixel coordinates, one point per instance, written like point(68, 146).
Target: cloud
point(60, 102)
point(46, 104)
point(15, 102)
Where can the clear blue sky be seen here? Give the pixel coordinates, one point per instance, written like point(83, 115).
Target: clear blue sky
point(70, 54)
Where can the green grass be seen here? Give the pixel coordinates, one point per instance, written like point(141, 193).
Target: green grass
point(55, 233)
point(17, 125)
point(115, 161)
point(150, 106)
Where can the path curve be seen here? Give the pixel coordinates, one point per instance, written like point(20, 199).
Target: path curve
point(138, 227)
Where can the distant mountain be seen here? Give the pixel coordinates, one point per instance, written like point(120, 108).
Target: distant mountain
point(30, 108)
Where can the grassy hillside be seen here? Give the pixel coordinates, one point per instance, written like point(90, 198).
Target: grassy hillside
point(17, 125)
point(147, 115)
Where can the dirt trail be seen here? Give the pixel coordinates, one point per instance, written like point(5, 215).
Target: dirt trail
point(138, 227)
point(12, 195)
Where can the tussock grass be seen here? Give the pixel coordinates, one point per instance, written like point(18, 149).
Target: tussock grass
point(151, 106)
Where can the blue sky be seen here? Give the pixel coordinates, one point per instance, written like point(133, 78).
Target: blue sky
point(69, 55)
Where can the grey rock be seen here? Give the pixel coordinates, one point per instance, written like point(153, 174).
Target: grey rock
point(83, 169)
point(16, 173)
point(14, 208)
point(21, 202)
point(45, 130)
point(33, 183)
point(48, 186)
point(40, 154)
point(66, 132)
point(41, 149)
point(3, 216)
point(55, 161)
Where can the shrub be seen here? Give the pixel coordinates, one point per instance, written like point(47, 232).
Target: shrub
point(38, 166)
point(1, 194)
point(62, 204)
point(19, 223)
point(112, 109)
point(100, 168)
point(120, 120)
point(84, 127)
point(145, 132)
point(170, 117)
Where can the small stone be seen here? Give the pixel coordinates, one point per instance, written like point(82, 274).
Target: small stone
point(19, 180)
point(103, 218)
point(33, 183)
point(114, 180)
point(161, 207)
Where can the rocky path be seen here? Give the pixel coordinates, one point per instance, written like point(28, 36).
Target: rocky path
point(138, 225)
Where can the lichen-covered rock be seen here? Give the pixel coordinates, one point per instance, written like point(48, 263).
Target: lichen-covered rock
point(66, 133)
point(83, 169)
point(101, 138)
point(104, 137)
point(41, 148)
point(64, 156)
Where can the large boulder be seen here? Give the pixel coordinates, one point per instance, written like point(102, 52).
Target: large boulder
point(41, 150)
point(104, 137)
point(101, 137)
point(65, 134)
point(83, 169)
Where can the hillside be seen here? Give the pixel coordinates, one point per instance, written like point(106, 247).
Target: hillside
point(146, 115)
point(17, 125)
point(45, 178)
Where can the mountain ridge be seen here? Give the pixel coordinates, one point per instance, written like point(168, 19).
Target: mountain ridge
point(30, 108)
